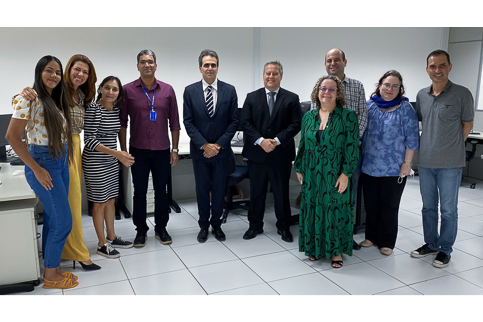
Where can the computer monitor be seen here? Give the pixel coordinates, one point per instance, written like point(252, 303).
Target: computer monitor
point(305, 106)
point(4, 122)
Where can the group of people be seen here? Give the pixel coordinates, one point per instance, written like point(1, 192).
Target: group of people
point(341, 136)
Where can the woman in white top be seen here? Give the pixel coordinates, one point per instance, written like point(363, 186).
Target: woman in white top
point(47, 123)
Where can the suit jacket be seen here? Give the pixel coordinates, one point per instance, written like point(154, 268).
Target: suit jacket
point(219, 129)
point(284, 123)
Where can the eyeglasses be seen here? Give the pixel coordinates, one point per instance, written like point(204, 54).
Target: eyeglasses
point(388, 86)
point(143, 62)
point(324, 89)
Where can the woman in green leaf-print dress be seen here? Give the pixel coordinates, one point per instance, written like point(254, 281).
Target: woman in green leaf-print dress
point(327, 156)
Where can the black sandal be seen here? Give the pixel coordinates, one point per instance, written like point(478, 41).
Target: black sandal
point(313, 258)
point(341, 263)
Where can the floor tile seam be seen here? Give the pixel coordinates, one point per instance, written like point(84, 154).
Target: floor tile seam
point(259, 255)
point(461, 250)
point(143, 252)
point(251, 269)
point(80, 287)
point(430, 279)
point(155, 274)
point(290, 277)
point(204, 290)
point(469, 232)
point(241, 259)
point(466, 279)
point(214, 263)
point(240, 287)
point(406, 284)
point(129, 280)
point(380, 293)
point(333, 282)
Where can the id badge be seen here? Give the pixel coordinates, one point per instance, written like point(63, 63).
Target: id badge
point(152, 116)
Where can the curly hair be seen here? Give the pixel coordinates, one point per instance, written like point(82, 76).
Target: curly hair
point(340, 100)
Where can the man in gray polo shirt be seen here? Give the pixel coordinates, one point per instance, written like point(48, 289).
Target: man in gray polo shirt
point(446, 111)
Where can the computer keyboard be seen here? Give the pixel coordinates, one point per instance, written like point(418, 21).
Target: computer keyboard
point(17, 161)
point(238, 143)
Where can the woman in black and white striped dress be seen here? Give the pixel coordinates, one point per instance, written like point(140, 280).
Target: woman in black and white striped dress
point(100, 162)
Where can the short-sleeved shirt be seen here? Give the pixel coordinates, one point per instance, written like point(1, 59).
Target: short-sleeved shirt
point(33, 112)
point(442, 143)
point(386, 138)
point(146, 134)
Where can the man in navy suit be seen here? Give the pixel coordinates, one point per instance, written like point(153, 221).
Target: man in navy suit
point(270, 119)
point(210, 112)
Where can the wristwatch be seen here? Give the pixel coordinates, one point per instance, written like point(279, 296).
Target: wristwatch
point(175, 150)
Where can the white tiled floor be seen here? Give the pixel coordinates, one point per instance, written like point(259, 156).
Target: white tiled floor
point(268, 266)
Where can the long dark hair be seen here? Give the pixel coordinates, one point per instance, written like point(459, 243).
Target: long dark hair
point(394, 73)
point(120, 98)
point(52, 103)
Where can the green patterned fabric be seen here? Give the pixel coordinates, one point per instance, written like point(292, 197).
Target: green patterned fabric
point(326, 215)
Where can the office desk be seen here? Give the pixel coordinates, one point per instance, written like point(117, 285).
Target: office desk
point(477, 135)
point(19, 255)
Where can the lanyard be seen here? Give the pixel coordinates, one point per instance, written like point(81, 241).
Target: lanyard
point(152, 101)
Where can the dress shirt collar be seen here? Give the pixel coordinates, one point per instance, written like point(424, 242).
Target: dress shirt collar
point(214, 85)
point(139, 83)
point(268, 91)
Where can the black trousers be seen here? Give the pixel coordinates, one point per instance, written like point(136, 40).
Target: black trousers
point(279, 177)
point(210, 176)
point(158, 163)
point(382, 196)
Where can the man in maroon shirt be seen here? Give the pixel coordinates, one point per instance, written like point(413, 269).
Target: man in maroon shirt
point(150, 105)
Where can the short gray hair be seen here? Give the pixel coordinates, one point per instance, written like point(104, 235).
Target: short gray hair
point(274, 62)
point(208, 52)
point(147, 52)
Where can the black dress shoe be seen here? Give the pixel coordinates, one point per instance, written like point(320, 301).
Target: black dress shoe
point(140, 240)
point(355, 246)
point(219, 234)
point(252, 233)
point(91, 267)
point(286, 235)
point(202, 235)
point(163, 237)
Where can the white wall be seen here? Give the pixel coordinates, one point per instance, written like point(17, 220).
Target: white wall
point(113, 52)
point(370, 52)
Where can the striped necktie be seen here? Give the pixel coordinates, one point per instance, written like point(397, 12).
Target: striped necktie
point(209, 102)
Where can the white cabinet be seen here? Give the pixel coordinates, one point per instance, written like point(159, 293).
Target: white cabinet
point(18, 239)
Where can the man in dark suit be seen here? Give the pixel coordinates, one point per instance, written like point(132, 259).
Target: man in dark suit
point(210, 113)
point(270, 119)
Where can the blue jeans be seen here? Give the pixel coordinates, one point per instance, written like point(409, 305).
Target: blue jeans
point(440, 185)
point(57, 215)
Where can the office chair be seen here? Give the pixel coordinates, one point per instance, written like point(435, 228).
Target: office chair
point(469, 156)
point(240, 173)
